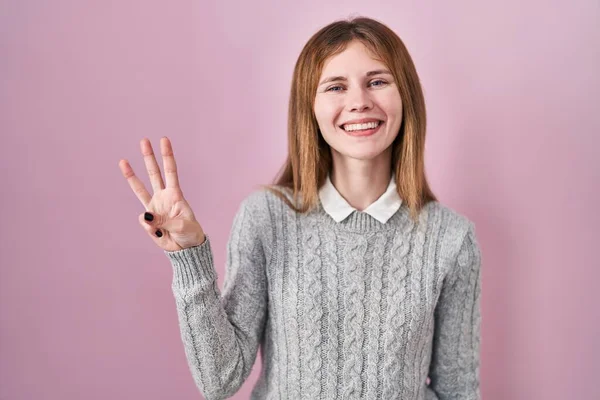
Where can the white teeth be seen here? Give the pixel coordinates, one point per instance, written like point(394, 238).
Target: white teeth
point(360, 127)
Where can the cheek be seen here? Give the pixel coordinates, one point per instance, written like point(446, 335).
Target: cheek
point(398, 108)
point(393, 106)
point(390, 102)
point(326, 112)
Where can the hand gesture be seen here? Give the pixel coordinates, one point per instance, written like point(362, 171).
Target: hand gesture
point(168, 219)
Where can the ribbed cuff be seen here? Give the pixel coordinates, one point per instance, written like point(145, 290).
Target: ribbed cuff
point(192, 266)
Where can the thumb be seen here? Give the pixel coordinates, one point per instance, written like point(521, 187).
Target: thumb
point(154, 219)
point(171, 225)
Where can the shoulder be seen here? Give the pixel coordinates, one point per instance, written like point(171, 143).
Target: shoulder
point(264, 207)
point(255, 206)
point(263, 200)
point(454, 219)
point(455, 230)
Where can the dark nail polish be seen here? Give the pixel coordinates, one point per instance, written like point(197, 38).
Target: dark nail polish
point(148, 216)
point(158, 233)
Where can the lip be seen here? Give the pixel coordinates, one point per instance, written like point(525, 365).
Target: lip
point(368, 132)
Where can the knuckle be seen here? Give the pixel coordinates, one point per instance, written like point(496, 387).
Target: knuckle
point(153, 172)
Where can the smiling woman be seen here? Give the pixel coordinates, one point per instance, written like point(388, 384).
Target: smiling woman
point(347, 273)
point(358, 98)
point(351, 73)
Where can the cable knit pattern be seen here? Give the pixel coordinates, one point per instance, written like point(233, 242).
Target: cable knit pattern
point(425, 354)
point(355, 309)
point(290, 295)
point(313, 311)
point(353, 340)
point(373, 322)
point(416, 309)
point(396, 316)
point(332, 331)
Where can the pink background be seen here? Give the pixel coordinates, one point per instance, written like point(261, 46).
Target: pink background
point(86, 309)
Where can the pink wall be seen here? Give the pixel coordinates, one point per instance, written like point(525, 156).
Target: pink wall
point(86, 309)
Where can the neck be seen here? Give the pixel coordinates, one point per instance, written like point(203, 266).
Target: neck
point(361, 182)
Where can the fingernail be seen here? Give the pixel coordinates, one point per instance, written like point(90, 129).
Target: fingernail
point(148, 216)
point(158, 233)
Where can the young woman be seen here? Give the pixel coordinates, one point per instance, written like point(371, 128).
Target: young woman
point(352, 278)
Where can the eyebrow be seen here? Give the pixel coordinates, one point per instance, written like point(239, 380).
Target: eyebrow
point(342, 78)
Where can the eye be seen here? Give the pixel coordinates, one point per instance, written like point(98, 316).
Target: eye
point(329, 89)
point(380, 82)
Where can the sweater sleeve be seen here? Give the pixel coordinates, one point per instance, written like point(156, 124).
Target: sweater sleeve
point(454, 368)
point(221, 334)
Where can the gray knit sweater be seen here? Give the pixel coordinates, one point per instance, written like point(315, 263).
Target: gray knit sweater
point(350, 310)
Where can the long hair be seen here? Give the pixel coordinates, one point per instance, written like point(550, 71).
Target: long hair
point(309, 157)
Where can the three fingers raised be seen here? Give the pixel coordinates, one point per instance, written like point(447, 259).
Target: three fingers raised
point(169, 164)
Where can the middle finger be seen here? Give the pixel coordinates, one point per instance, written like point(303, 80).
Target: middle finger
point(151, 166)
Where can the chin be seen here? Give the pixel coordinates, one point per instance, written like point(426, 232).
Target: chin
point(361, 155)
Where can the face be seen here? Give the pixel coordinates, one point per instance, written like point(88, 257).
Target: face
point(357, 105)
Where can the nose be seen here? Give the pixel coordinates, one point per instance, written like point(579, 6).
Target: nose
point(358, 100)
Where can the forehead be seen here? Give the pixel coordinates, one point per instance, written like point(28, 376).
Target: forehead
point(355, 58)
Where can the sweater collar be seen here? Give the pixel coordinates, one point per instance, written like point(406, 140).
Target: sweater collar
point(338, 208)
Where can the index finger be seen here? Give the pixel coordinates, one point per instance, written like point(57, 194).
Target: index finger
point(136, 185)
point(169, 164)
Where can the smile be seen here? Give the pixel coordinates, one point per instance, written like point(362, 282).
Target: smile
point(365, 129)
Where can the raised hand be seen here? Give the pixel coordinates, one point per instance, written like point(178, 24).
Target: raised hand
point(169, 220)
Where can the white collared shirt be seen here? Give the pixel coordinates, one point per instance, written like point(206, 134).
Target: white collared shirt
point(338, 208)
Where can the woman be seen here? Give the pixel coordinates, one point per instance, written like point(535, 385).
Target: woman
point(350, 275)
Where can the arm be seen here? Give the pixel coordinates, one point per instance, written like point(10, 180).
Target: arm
point(454, 369)
point(221, 334)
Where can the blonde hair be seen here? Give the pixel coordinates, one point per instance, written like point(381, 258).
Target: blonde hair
point(309, 156)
